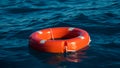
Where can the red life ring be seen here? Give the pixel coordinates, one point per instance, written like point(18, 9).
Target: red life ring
point(59, 39)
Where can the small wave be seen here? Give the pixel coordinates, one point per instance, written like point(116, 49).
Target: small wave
point(22, 10)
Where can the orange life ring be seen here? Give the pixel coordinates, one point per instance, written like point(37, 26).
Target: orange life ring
point(59, 39)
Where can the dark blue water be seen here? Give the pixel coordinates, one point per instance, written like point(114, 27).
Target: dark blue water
point(20, 18)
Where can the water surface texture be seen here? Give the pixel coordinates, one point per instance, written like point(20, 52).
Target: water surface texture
point(20, 18)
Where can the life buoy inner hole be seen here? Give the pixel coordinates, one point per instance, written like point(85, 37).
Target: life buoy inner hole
point(65, 35)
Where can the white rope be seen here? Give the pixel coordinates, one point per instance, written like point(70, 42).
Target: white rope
point(52, 34)
point(66, 50)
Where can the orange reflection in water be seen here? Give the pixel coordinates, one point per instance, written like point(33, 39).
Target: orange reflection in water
point(58, 58)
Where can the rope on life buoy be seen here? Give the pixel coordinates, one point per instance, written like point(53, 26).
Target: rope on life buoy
point(66, 48)
point(52, 34)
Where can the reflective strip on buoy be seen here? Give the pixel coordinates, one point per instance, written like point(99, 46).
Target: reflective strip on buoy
point(42, 41)
point(49, 32)
point(40, 32)
point(89, 41)
point(71, 28)
point(82, 37)
point(73, 45)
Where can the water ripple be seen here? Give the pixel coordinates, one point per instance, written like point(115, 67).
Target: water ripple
point(19, 19)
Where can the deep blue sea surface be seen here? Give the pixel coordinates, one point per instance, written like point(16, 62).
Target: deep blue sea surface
point(20, 18)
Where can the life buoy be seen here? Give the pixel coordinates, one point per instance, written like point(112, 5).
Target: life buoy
point(59, 39)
